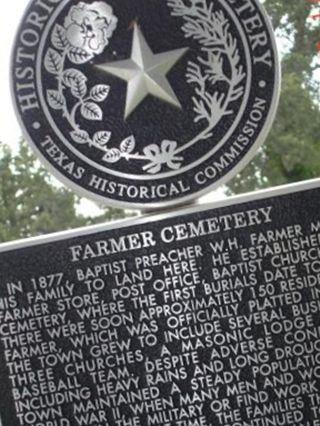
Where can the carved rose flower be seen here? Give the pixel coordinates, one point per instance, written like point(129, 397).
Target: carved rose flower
point(164, 155)
point(90, 26)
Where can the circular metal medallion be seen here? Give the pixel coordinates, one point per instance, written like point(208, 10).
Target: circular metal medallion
point(145, 103)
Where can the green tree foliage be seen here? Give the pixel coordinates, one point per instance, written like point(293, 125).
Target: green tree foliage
point(32, 204)
point(292, 150)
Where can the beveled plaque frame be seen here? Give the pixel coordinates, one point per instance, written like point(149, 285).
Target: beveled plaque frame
point(156, 217)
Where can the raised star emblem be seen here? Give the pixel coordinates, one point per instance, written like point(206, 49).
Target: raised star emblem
point(145, 72)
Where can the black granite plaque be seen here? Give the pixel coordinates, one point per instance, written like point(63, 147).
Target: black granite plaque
point(207, 316)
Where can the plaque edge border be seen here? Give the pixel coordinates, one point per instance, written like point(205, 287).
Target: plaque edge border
point(264, 194)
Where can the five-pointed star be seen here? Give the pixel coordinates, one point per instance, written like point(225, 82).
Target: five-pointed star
point(145, 72)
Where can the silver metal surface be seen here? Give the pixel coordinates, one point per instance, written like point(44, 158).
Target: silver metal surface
point(153, 162)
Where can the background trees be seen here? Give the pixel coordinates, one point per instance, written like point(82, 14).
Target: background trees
point(31, 203)
point(292, 150)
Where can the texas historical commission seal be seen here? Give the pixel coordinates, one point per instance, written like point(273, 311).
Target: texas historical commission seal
point(141, 103)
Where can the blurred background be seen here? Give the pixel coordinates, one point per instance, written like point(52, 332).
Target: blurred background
point(33, 203)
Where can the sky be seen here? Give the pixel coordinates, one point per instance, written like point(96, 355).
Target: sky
point(9, 20)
